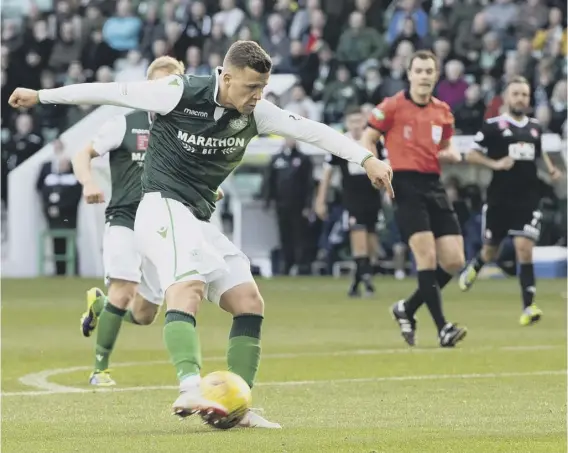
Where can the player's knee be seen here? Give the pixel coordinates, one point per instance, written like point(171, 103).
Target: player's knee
point(145, 313)
point(423, 248)
point(524, 250)
point(452, 261)
point(425, 256)
point(185, 296)
point(245, 298)
point(121, 293)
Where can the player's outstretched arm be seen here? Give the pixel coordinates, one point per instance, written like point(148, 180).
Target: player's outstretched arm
point(272, 120)
point(160, 96)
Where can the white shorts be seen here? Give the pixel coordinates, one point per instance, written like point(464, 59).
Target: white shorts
point(123, 261)
point(182, 247)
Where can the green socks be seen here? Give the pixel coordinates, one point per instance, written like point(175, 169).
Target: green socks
point(108, 327)
point(182, 343)
point(100, 303)
point(243, 355)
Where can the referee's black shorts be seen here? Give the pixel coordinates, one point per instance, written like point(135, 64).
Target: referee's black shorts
point(421, 204)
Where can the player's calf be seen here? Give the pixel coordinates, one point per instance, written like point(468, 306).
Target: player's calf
point(423, 247)
point(120, 295)
point(246, 305)
point(524, 250)
point(183, 300)
point(360, 251)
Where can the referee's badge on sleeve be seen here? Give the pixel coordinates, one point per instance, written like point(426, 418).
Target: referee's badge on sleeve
point(436, 134)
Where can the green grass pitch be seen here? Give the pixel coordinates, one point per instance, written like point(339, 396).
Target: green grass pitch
point(335, 373)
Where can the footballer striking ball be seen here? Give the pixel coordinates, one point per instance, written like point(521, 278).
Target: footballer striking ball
point(229, 390)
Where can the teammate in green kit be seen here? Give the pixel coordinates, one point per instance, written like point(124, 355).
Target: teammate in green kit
point(199, 136)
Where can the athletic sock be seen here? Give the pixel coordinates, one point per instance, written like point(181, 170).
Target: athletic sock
point(182, 343)
point(108, 328)
point(477, 262)
point(415, 301)
point(528, 289)
point(243, 355)
point(430, 292)
point(359, 267)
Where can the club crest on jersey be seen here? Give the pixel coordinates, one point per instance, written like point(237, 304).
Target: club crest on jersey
point(534, 133)
point(436, 134)
point(239, 123)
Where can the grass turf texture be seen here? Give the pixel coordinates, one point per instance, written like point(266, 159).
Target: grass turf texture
point(335, 374)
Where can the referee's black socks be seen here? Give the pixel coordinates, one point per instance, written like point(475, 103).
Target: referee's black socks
point(414, 302)
point(430, 292)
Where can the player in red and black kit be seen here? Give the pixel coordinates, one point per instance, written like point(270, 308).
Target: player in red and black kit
point(510, 145)
point(417, 130)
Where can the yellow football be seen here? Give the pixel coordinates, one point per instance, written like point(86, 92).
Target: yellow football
point(229, 390)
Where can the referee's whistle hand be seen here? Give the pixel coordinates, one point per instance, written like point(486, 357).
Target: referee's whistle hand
point(380, 174)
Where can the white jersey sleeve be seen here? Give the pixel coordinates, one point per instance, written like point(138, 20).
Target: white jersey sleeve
point(271, 119)
point(160, 96)
point(110, 135)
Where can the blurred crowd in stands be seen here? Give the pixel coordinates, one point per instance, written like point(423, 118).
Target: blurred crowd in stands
point(343, 52)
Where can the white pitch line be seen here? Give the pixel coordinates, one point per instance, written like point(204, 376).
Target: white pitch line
point(425, 377)
point(40, 380)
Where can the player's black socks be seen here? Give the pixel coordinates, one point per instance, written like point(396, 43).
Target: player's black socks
point(430, 292)
point(414, 302)
point(526, 277)
point(477, 262)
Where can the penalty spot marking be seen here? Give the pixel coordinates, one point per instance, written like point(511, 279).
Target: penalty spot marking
point(424, 377)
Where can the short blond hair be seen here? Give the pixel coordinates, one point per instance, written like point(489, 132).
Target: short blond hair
point(165, 63)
